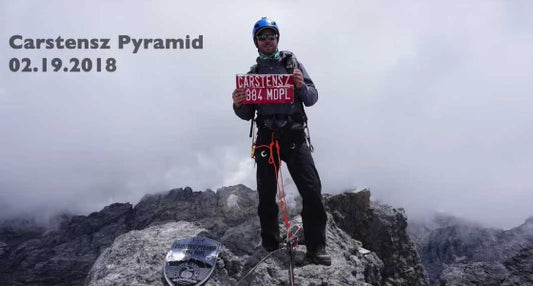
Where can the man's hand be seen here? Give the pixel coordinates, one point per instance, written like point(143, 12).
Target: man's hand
point(238, 96)
point(298, 78)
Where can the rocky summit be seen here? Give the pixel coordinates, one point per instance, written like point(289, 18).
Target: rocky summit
point(126, 245)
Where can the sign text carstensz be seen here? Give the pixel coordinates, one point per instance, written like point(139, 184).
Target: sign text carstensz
point(266, 88)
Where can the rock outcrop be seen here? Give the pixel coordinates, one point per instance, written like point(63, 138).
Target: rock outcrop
point(123, 244)
point(456, 252)
point(383, 230)
point(137, 257)
point(62, 256)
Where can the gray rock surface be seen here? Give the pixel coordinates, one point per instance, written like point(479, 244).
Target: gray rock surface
point(381, 229)
point(62, 256)
point(137, 258)
point(457, 252)
point(66, 255)
point(474, 274)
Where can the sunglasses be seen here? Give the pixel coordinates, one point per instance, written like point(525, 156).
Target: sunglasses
point(271, 37)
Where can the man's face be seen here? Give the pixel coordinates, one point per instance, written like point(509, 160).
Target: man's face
point(267, 42)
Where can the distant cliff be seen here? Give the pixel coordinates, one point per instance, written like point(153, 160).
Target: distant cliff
point(456, 252)
point(123, 244)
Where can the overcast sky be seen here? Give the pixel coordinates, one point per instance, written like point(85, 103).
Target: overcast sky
point(427, 103)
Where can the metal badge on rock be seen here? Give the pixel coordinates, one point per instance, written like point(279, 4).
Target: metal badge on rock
point(191, 261)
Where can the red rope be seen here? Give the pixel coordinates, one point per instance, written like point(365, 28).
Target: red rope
point(280, 186)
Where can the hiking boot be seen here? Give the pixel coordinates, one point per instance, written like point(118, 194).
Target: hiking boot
point(319, 256)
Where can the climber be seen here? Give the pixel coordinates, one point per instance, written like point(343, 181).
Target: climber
point(284, 123)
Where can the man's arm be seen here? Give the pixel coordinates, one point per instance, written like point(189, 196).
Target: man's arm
point(304, 86)
point(244, 111)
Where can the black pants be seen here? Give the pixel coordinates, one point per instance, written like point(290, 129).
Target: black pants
point(295, 152)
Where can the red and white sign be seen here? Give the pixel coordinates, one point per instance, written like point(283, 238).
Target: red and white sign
point(267, 88)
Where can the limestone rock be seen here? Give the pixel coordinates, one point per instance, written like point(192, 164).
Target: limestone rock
point(132, 241)
point(137, 258)
point(458, 252)
point(62, 256)
point(381, 229)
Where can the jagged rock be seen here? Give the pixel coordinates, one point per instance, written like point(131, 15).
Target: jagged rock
point(137, 257)
point(458, 252)
point(381, 229)
point(474, 274)
point(520, 267)
point(64, 256)
point(210, 207)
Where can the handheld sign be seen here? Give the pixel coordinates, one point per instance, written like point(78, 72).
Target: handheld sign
point(191, 261)
point(266, 88)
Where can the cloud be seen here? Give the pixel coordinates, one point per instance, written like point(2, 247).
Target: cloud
point(427, 104)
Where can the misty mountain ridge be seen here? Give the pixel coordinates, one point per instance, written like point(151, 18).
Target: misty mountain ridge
point(81, 249)
point(370, 243)
point(455, 251)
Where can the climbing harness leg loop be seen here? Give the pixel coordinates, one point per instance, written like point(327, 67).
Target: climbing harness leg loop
point(291, 241)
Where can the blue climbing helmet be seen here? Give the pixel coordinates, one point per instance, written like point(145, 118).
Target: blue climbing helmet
point(262, 24)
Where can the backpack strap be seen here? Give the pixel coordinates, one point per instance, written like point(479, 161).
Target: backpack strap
point(253, 69)
point(290, 64)
point(290, 61)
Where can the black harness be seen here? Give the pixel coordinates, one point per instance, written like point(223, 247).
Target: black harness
point(279, 122)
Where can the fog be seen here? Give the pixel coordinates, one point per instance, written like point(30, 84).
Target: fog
point(428, 104)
